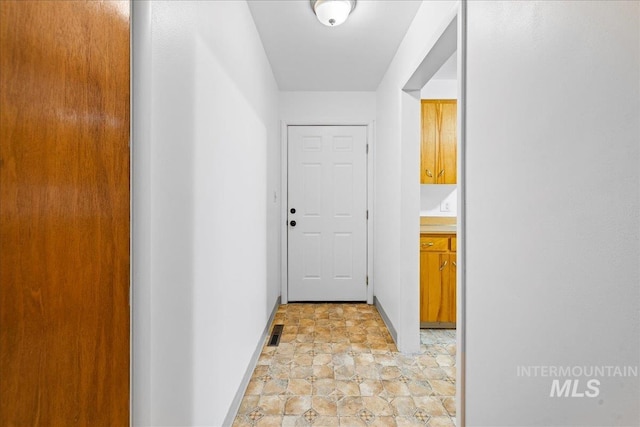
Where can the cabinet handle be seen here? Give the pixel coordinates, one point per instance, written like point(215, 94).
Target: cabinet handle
point(429, 174)
point(444, 264)
point(454, 264)
point(424, 245)
point(441, 172)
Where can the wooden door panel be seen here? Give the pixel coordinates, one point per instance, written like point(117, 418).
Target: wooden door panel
point(64, 213)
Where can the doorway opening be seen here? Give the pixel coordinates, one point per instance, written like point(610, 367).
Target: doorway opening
point(433, 122)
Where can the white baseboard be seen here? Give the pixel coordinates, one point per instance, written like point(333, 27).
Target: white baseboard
point(235, 404)
point(386, 320)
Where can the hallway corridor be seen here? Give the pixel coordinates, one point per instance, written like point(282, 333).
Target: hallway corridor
point(337, 365)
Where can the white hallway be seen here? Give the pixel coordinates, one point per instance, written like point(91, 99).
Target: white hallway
point(551, 196)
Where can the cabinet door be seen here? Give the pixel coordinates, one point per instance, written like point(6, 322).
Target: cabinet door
point(435, 289)
point(447, 146)
point(452, 285)
point(428, 142)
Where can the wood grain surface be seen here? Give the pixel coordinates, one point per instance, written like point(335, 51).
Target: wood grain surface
point(64, 213)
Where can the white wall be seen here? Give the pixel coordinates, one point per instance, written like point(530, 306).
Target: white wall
point(397, 209)
point(434, 197)
point(327, 107)
point(440, 89)
point(206, 163)
point(552, 208)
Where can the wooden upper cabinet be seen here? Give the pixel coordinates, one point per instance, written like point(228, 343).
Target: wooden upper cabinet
point(439, 141)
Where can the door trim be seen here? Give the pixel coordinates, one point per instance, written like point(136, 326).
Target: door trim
point(284, 201)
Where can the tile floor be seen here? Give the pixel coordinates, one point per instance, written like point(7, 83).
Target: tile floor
point(337, 365)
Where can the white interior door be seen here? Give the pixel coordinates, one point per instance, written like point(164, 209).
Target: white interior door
point(327, 213)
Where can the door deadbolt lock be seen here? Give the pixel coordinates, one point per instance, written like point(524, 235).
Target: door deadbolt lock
point(292, 223)
point(293, 210)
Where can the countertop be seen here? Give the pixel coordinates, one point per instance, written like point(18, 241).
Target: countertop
point(437, 225)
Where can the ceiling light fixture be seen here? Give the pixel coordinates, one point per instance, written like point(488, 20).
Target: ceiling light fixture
point(332, 12)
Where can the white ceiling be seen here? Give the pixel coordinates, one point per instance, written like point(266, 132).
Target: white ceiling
point(306, 55)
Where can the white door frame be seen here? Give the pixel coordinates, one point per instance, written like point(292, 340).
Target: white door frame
point(284, 201)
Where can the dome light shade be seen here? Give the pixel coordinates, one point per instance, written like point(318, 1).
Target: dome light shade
point(332, 12)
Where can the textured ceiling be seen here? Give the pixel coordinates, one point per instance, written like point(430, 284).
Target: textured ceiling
point(308, 56)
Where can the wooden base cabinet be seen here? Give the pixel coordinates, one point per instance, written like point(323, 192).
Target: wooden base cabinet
point(438, 265)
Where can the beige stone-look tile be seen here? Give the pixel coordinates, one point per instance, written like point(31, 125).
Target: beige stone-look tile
point(323, 348)
point(382, 347)
point(269, 421)
point(260, 371)
point(431, 405)
point(303, 360)
point(414, 373)
point(342, 359)
point(450, 371)
point(275, 386)
point(264, 359)
point(360, 348)
point(307, 322)
point(396, 388)
point(385, 359)
point(282, 359)
point(303, 348)
point(322, 359)
point(272, 405)
point(324, 421)
point(290, 420)
point(358, 338)
point(434, 373)
point(324, 406)
point(344, 372)
point(301, 372)
point(348, 388)
point(445, 360)
point(352, 422)
point(323, 371)
point(363, 359)
point(440, 422)
point(443, 388)
point(408, 422)
point(323, 330)
point(290, 329)
point(340, 348)
point(390, 372)
point(278, 371)
point(341, 339)
point(403, 406)
point(339, 364)
point(368, 372)
point(299, 387)
point(248, 404)
point(255, 387)
point(371, 388)
point(449, 404)
point(349, 405)
point(377, 405)
point(241, 421)
point(303, 338)
point(383, 422)
point(297, 405)
point(284, 338)
point(427, 361)
point(323, 387)
point(419, 388)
